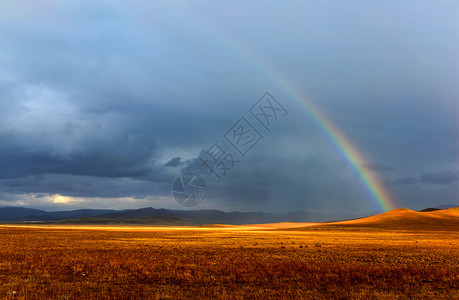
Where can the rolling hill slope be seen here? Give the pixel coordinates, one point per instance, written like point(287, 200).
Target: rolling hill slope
point(405, 219)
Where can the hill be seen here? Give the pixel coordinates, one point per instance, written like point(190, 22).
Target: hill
point(21, 214)
point(406, 219)
point(198, 217)
point(8, 214)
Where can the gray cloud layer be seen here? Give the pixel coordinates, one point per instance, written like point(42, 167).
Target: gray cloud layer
point(106, 100)
point(443, 178)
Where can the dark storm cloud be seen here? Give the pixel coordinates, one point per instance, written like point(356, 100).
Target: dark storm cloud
point(174, 162)
point(128, 149)
point(378, 167)
point(447, 177)
point(274, 179)
point(441, 178)
point(105, 99)
point(405, 181)
point(84, 186)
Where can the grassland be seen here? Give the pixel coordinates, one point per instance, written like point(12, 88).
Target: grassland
point(227, 262)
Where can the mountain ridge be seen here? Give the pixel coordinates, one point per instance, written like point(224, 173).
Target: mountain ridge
point(205, 216)
point(395, 219)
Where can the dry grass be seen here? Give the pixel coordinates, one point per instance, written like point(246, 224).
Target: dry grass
point(227, 263)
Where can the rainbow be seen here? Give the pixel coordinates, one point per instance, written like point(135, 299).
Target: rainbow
point(343, 145)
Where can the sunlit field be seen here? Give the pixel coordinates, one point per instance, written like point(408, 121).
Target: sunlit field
point(227, 262)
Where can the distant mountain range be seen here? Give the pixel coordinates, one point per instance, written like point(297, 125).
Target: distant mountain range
point(163, 216)
point(151, 215)
point(18, 214)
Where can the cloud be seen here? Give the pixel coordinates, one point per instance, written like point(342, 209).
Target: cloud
point(378, 167)
point(59, 199)
point(405, 181)
point(103, 100)
point(175, 162)
point(55, 202)
point(443, 178)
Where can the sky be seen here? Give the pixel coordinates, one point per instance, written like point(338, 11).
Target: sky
point(104, 104)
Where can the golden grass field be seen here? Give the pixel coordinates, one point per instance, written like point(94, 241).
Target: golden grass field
point(228, 262)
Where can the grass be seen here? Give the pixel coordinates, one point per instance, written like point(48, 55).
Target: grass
point(226, 263)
